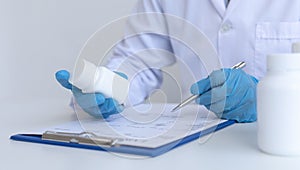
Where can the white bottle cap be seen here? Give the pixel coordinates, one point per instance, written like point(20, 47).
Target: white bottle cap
point(283, 61)
point(86, 77)
point(296, 47)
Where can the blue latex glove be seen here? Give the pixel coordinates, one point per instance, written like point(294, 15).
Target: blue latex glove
point(234, 94)
point(94, 104)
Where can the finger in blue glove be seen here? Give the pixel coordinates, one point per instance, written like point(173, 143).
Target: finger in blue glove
point(63, 77)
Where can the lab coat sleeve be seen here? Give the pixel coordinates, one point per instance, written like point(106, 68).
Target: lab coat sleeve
point(143, 51)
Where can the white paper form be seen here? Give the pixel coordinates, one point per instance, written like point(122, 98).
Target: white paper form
point(146, 125)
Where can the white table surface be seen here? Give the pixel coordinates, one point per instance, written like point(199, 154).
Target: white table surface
point(231, 148)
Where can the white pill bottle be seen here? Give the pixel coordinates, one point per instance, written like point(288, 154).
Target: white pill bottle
point(93, 79)
point(278, 105)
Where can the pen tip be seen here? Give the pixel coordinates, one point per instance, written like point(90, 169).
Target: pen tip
point(174, 109)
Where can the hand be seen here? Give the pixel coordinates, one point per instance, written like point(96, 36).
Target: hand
point(94, 104)
point(229, 93)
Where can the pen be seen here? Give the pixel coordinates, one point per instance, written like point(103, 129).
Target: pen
point(192, 98)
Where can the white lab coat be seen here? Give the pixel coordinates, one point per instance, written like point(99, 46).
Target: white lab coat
point(244, 31)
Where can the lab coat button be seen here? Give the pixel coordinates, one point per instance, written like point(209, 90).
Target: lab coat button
point(225, 28)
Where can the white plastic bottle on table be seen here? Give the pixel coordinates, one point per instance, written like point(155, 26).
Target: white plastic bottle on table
point(278, 106)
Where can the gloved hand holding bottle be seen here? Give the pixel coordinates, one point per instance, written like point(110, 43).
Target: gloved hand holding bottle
point(229, 93)
point(95, 104)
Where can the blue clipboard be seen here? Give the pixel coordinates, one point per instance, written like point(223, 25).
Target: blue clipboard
point(125, 149)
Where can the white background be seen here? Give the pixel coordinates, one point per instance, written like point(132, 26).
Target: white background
point(39, 37)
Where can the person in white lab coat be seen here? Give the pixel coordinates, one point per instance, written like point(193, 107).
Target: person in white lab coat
point(239, 31)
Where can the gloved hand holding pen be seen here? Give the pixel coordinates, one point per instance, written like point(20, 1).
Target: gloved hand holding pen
point(229, 93)
point(94, 104)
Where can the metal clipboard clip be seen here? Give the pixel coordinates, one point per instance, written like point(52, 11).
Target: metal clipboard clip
point(86, 138)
